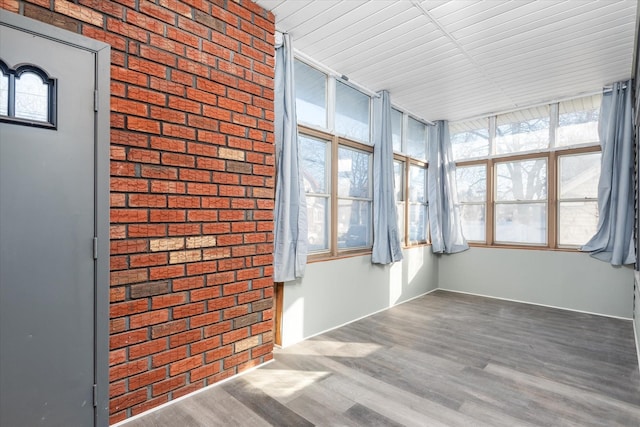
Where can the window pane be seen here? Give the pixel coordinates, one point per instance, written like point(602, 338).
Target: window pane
point(318, 220)
point(579, 176)
point(313, 154)
point(418, 223)
point(578, 222)
point(523, 131)
point(522, 180)
point(417, 184)
point(353, 173)
point(352, 112)
point(521, 223)
point(311, 95)
point(578, 121)
point(472, 183)
point(468, 140)
point(417, 139)
point(396, 130)
point(473, 222)
point(400, 213)
point(4, 94)
point(354, 224)
point(398, 180)
point(32, 97)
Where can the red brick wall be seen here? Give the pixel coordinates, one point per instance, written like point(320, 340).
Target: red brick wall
point(192, 181)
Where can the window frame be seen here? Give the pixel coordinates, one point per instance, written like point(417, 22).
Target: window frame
point(48, 81)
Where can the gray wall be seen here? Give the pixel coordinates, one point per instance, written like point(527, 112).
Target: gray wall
point(561, 279)
point(336, 292)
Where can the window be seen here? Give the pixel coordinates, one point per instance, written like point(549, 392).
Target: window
point(521, 131)
point(396, 129)
point(27, 96)
point(417, 139)
point(470, 140)
point(577, 198)
point(399, 184)
point(354, 198)
point(418, 213)
point(521, 202)
point(472, 196)
point(337, 166)
point(311, 95)
point(314, 154)
point(578, 121)
point(530, 177)
point(352, 113)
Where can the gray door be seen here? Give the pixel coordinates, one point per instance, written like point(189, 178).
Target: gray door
point(47, 222)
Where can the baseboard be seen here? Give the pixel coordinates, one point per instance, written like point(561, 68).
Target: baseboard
point(535, 303)
point(635, 336)
point(193, 393)
point(359, 318)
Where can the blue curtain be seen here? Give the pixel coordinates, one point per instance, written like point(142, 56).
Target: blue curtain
point(290, 213)
point(386, 239)
point(613, 242)
point(444, 216)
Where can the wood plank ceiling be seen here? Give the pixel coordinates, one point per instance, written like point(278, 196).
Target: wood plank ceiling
point(460, 59)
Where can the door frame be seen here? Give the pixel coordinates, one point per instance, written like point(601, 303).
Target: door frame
point(102, 55)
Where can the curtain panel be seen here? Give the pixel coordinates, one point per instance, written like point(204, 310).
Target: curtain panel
point(444, 216)
point(386, 238)
point(613, 241)
point(290, 213)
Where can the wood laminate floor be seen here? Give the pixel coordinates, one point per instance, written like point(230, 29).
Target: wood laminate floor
point(444, 359)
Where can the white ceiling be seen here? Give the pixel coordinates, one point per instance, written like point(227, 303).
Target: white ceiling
point(460, 59)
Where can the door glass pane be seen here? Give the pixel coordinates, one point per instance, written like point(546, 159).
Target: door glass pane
point(4, 94)
point(523, 130)
point(578, 121)
point(521, 223)
point(313, 155)
point(318, 223)
point(578, 222)
point(354, 224)
point(417, 139)
point(522, 180)
point(579, 176)
point(473, 222)
point(32, 97)
point(472, 183)
point(353, 173)
point(470, 140)
point(352, 113)
point(311, 95)
point(396, 130)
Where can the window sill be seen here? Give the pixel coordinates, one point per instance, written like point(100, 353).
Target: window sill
point(525, 247)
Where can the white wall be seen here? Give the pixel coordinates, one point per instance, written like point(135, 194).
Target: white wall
point(336, 292)
point(560, 279)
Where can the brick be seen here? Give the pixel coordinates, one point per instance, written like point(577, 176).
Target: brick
point(168, 385)
point(236, 335)
point(235, 360)
point(184, 338)
point(188, 310)
point(218, 354)
point(127, 369)
point(238, 287)
point(216, 253)
point(146, 378)
point(164, 301)
point(185, 256)
point(209, 292)
point(169, 356)
point(149, 404)
point(204, 371)
point(156, 273)
point(236, 311)
point(230, 154)
point(147, 230)
point(243, 321)
point(128, 276)
point(147, 200)
point(80, 13)
point(145, 290)
point(127, 308)
point(117, 325)
point(148, 318)
point(246, 344)
point(184, 229)
point(168, 244)
point(167, 215)
point(147, 348)
point(188, 283)
point(127, 400)
point(168, 328)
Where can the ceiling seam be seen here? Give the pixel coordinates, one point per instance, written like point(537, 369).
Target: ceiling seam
point(448, 35)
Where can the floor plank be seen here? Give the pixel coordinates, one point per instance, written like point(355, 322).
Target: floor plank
point(445, 359)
